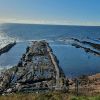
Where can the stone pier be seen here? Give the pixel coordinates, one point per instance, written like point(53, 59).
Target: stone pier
point(7, 48)
point(38, 70)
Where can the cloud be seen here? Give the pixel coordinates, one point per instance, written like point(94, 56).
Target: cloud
point(29, 21)
point(54, 22)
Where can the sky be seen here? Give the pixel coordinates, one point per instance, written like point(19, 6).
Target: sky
point(64, 12)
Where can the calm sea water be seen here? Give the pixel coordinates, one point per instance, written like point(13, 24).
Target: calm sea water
point(74, 61)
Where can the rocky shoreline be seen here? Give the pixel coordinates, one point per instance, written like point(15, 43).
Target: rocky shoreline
point(7, 48)
point(88, 45)
point(87, 49)
point(38, 70)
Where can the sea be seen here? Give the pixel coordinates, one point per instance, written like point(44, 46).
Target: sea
point(73, 61)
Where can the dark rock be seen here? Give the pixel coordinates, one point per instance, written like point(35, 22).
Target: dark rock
point(38, 69)
point(7, 48)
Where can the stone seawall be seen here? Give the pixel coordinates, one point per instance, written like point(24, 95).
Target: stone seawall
point(56, 65)
point(38, 70)
point(7, 48)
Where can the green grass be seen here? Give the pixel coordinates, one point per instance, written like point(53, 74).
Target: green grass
point(47, 96)
point(86, 98)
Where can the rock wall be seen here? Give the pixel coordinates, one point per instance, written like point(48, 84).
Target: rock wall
point(38, 70)
point(7, 48)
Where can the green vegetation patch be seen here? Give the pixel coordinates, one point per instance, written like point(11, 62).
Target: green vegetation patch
point(47, 96)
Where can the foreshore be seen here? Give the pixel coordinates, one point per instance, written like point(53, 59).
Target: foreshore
point(90, 48)
point(88, 45)
point(38, 70)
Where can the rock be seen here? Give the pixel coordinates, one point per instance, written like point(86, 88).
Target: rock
point(9, 90)
point(7, 48)
point(37, 70)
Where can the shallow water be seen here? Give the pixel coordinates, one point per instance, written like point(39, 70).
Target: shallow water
point(12, 57)
point(75, 62)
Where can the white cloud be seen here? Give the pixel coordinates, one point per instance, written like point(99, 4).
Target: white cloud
point(57, 22)
point(30, 21)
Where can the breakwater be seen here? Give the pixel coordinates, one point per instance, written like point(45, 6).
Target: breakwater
point(7, 48)
point(37, 70)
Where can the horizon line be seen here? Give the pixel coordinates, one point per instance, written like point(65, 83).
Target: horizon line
point(50, 24)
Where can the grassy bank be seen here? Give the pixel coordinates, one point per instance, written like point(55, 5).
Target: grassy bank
point(47, 96)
